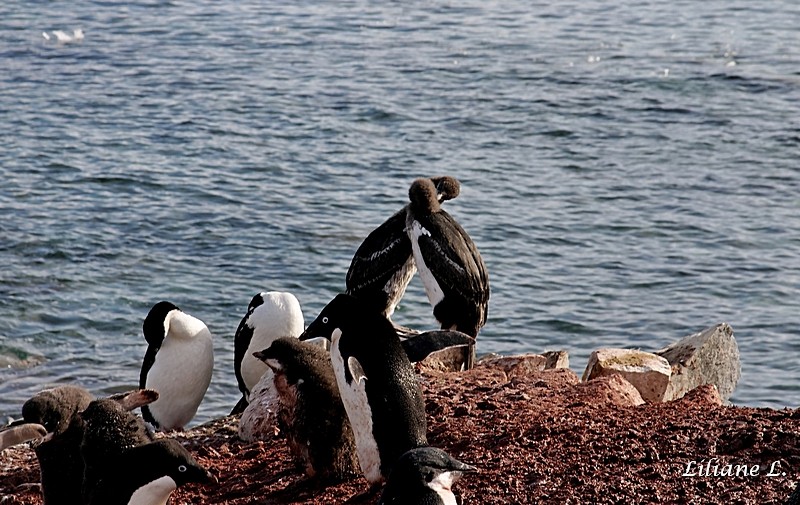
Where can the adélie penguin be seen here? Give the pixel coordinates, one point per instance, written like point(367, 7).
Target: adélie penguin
point(55, 411)
point(376, 381)
point(178, 364)
point(383, 264)
point(423, 476)
point(310, 410)
point(147, 474)
point(449, 264)
point(109, 429)
point(270, 315)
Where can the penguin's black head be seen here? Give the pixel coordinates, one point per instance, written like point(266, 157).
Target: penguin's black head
point(339, 312)
point(164, 458)
point(257, 300)
point(447, 188)
point(429, 465)
point(154, 328)
point(177, 462)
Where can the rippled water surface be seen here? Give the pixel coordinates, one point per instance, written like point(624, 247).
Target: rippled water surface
point(629, 171)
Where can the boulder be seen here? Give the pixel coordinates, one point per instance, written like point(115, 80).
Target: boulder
point(647, 372)
point(521, 365)
point(708, 357)
point(611, 389)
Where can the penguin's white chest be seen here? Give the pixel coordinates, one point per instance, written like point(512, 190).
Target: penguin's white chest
point(442, 485)
point(432, 288)
point(154, 493)
point(181, 374)
point(356, 404)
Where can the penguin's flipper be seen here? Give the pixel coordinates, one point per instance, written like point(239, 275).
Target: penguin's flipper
point(356, 372)
point(240, 406)
point(418, 347)
point(131, 400)
point(17, 434)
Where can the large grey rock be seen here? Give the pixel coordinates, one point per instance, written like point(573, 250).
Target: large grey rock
point(647, 372)
point(708, 357)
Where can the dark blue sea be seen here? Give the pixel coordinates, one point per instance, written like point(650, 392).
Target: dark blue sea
point(630, 171)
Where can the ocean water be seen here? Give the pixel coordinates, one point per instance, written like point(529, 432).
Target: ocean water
point(629, 171)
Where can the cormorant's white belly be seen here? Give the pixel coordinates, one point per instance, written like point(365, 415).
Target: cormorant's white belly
point(181, 374)
point(354, 398)
point(154, 493)
point(432, 288)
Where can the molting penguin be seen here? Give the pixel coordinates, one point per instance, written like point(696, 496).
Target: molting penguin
point(376, 381)
point(448, 261)
point(423, 476)
point(110, 428)
point(269, 316)
point(383, 264)
point(178, 364)
point(310, 409)
point(56, 412)
point(147, 474)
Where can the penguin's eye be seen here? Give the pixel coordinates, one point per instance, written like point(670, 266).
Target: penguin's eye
point(429, 476)
point(182, 468)
point(325, 320)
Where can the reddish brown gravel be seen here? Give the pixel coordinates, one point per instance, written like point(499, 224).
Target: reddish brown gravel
point(538, 438)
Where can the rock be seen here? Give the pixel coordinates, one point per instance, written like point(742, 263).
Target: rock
point(613, 389)
point(521, 365)
point(702, 396)
point(647, 372)
point(556, 359)
point(708, 357)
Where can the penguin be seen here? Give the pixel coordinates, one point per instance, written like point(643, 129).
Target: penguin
point(451, 268)
point(423, 476)
point(376, 381)
point(310, 410)
point(60, 465)
point(109, 429)
point(57, 413)
point(147, 474)
point(178, 364)
point(269, 316)
point(383, 264)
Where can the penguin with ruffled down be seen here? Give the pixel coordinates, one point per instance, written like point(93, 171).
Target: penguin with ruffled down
point(383, 264)
point(54, 414)
point(376, 381)
point(423, 476)
point(450, 265)
point(270, 315)
point(310, 410)
point(178, 364)
point(147, 474)
point(109, 429)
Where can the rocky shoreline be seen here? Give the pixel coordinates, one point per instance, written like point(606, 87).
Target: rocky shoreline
point(536, 437)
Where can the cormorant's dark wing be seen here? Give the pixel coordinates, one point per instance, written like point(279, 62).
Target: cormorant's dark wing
point(418, 347)
point(380, 257)
point(455, 262)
